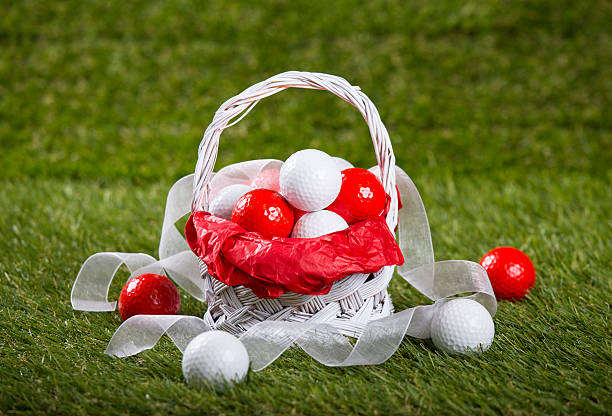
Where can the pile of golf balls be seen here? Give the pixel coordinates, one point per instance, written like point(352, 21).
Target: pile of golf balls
point(216, 358)
point(462, 327)
point(312, 194)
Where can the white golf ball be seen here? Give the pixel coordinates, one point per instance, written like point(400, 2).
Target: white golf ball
point(310, 180)
point(217, 358)
point(267, 179)
point(318, 223)
point(376, 171)
point(223, 203)
point(341, 163)
point(462, 326)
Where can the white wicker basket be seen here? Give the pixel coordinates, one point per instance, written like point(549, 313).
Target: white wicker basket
point(353, 301)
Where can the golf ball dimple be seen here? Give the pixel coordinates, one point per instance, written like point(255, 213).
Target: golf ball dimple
point(462, 326)
point(310, 180)
point(318, 223)
point(217, 358)
point(223, 203)
point(341, 163)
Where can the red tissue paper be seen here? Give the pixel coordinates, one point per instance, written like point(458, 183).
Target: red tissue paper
point(271, 267)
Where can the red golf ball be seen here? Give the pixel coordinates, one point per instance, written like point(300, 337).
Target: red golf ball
point(361, 196)
point(511, 272)
point(264, 211)
point(149, 294)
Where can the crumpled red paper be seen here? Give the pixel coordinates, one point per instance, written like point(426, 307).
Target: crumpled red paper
point(271, 267)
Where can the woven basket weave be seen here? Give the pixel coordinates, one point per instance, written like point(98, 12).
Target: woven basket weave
point(353, 301)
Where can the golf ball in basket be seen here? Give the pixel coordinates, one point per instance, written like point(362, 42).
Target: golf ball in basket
point(217, 358)
point(361, 196)
point(341, 163)
point(310, 180)
point(462, 326)
point(318, 223)
point(223, 203)
point(265, 212)
point(267, 179)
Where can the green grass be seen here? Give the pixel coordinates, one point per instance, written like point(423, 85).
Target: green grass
point(499, 111)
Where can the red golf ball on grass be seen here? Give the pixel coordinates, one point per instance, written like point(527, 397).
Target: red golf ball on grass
point(149, 294)
point(265, 212)
point(510, 271)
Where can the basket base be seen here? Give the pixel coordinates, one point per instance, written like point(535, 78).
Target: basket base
point(349, 306)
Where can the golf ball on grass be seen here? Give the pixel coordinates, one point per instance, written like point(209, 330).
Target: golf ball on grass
point(462, 327)
point(510, 271)
point(216, 358)
point(318, 223)
point(149, 294)
point(310, 180)
point(223, 203)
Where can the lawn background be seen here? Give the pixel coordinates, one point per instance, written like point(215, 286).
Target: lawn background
point(498, 110)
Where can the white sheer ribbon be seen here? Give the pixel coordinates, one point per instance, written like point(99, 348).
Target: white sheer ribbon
point(269, 339)
point(176, 260)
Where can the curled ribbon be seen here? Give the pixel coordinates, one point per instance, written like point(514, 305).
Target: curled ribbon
point(267, 340)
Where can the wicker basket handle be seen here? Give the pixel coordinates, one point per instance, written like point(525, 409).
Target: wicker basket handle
point(247, 99)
